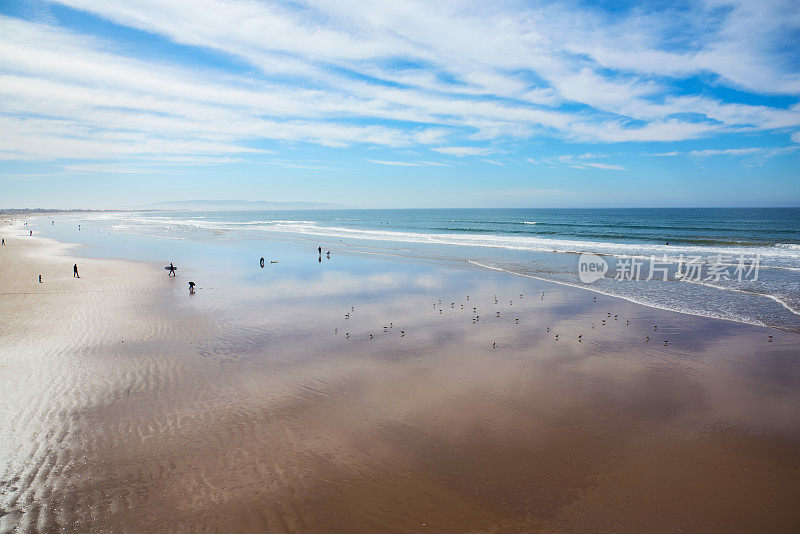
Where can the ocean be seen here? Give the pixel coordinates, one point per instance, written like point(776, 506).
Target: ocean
point(736, 264)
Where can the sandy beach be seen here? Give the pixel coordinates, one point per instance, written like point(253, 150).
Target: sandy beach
point(366, 397)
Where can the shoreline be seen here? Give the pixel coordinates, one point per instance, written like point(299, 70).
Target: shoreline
point(348, 249)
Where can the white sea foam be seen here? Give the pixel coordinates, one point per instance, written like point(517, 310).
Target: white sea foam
point(785, 257)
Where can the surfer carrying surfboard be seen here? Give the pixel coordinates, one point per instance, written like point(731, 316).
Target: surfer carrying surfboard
point(171, 269)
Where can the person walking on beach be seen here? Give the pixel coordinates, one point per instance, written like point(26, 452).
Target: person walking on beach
point(4, 242)
point(31, 232)
point(75, 271)
point(319, 249)
point(171, 269)
point(191, 288)
point(40, 278)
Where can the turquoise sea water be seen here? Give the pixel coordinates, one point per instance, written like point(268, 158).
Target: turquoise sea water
point(543, 243)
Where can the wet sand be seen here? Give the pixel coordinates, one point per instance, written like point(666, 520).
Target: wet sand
point(131, 406)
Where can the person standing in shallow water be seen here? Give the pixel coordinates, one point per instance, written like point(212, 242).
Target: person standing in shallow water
point(75, 271)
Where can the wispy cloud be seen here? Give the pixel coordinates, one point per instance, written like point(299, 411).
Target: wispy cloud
point(462, 151)
point(577, 161)
point(724, 152)
point(408, 163)
point(391, 75)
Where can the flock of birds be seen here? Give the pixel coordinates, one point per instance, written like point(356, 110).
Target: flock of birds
point(439, 306)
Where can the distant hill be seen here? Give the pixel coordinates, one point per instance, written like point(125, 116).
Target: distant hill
point(232, 205)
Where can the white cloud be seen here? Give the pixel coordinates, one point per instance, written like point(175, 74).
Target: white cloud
point(725, 152)
point(753, 155)
point(462, 151)
point(401, 74)
point(577, 161)
point(409, 163)
point(396, 163)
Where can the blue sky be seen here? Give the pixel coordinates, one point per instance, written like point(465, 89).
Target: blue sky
point(122, 103)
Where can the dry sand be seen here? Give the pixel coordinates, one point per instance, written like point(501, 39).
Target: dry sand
point(126, 410)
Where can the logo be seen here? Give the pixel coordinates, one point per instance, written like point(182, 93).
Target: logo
point(591, 268)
